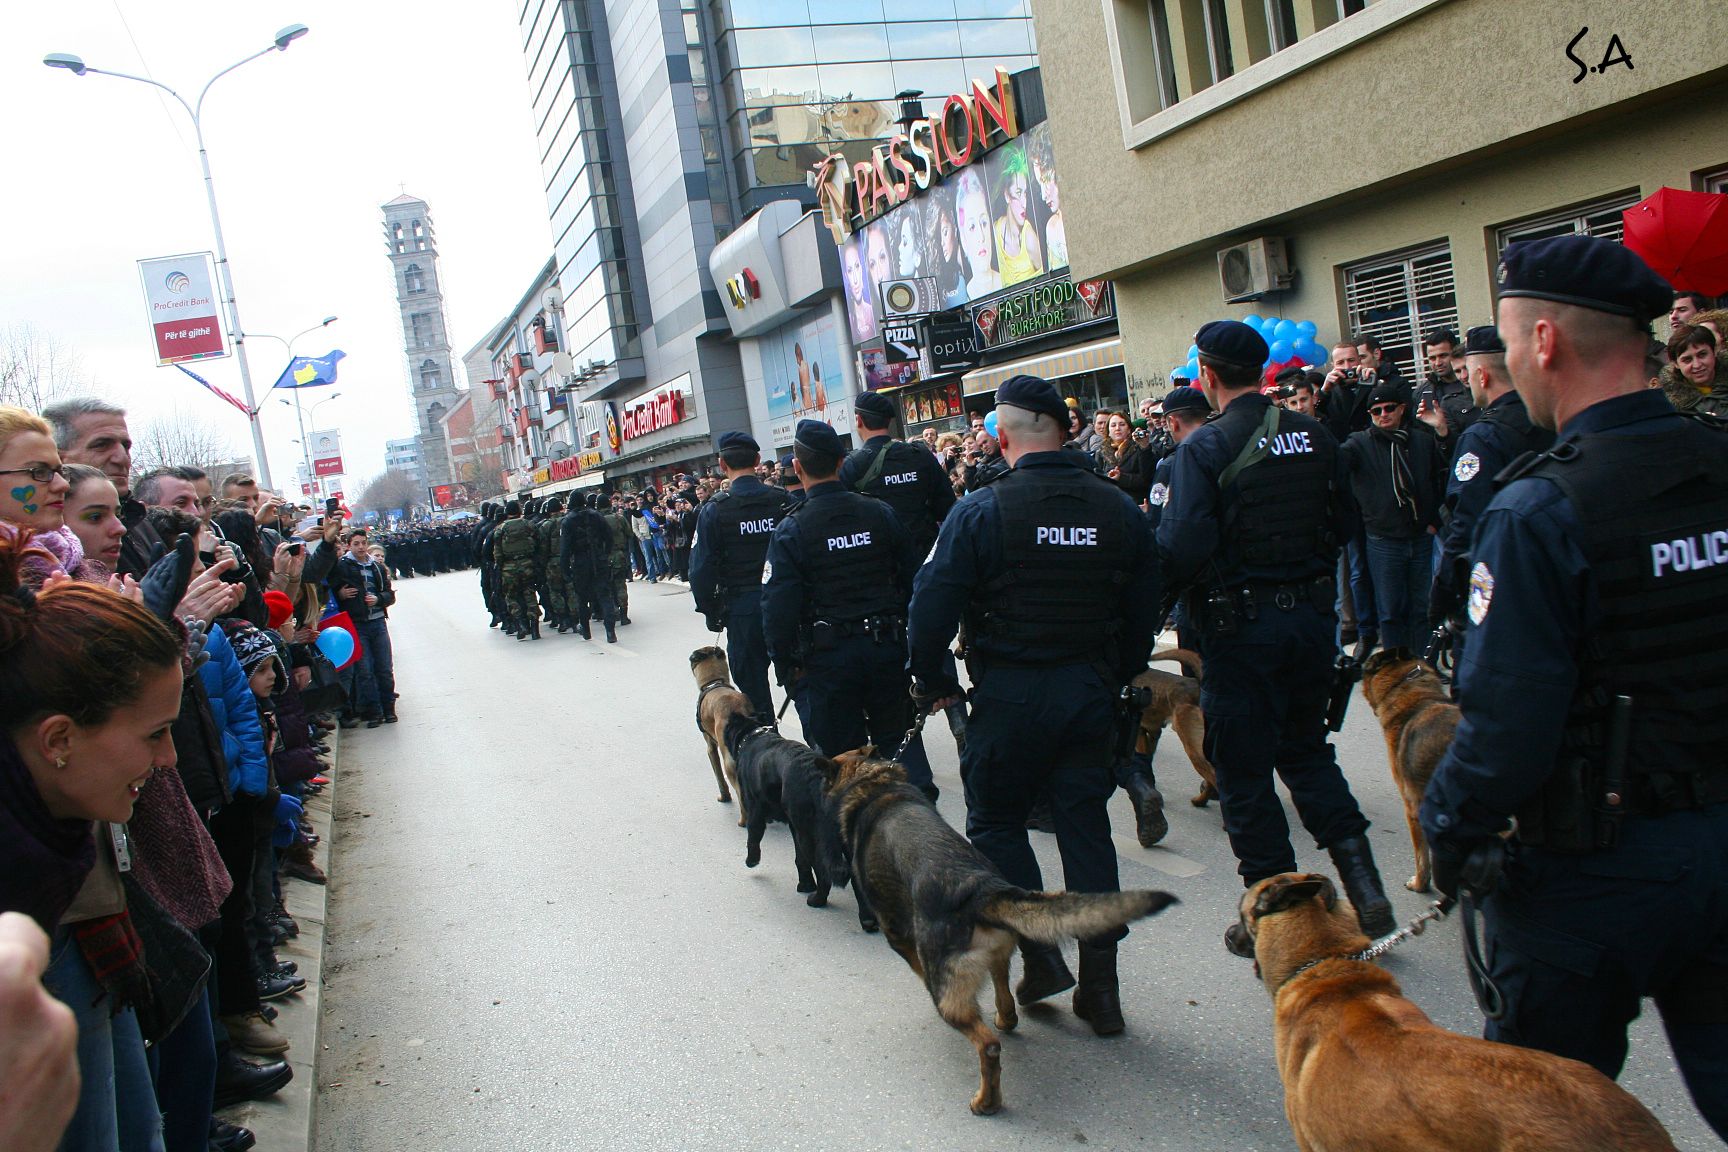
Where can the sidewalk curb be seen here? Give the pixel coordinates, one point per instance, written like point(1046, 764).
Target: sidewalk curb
point(288, 1121)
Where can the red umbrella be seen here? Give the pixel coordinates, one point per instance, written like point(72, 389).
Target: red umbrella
point(1684, 237)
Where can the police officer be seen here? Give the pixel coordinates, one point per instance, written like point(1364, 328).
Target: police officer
point(1502, 435)
point(909, 480)
point(517, 547)
point(557, 589)
point(1258, 505)
point(790, 480)
point(834, 592)
point(1185, 409)
point(489, 578)
point(1054, 572)
point(1594, 692)
point(585, 558)
point(732, 534)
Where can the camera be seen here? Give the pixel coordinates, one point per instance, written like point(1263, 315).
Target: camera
point(1351, 375)
point(295, 548)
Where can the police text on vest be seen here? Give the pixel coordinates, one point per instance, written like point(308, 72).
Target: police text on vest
point(1290, 444)
point(1069, 537)
point(1689, 553)
point(856, 540)
point(755, 527)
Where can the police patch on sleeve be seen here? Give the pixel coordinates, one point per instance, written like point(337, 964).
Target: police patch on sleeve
point(1468, 465)
point(1481, 592)
point(767, 571)
point(1160, 493)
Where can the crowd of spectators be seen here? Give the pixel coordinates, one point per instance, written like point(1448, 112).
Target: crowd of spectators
point(166, 712)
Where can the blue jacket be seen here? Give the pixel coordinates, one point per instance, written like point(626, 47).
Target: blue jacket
point(236, 712)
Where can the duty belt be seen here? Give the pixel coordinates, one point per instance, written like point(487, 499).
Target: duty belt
point(1287, 595)
point(882, 629)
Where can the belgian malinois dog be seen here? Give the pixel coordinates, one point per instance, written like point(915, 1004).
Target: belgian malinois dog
point(1176, 704)
point(1365, 1068)
point(1418, 720)
point(717, 703)
point(947, 911)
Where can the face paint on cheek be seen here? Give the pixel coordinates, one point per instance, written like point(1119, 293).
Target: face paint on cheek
point(24, 496)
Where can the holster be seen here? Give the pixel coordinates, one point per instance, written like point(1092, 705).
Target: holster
point(1130, 707)
point(1561, 817)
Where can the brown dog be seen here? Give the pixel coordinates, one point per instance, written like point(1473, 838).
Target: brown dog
point(1364, 1068)
point(1176, 704)
point(1418, 720)
point(716, 704)
point(947, 911)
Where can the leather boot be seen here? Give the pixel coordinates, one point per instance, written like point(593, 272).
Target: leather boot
point(1044, 972)
point(534, 626)
point(611, 634)
point(1149, 822)
point(1355, 863)
point(583, 630)
point(1098, 1000)
point(238, 1079)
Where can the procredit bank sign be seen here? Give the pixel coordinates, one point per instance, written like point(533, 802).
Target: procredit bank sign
point(667, 405)
point(969, 125)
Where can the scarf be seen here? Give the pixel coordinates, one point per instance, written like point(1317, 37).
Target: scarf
point(43, 861)
point(1397, 441)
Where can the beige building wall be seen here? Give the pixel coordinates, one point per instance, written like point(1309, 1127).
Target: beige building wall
point(1456, 121)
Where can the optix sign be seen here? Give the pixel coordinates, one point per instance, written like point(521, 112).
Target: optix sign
point(659, 409)
point(743, 288)
point(969, 125)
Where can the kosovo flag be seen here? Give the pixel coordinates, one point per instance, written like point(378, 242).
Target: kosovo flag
point(310, 371)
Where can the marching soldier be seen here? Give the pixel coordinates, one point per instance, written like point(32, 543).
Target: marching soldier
point(516, 546)
point(1594, 691)
point(551, 547)
point(585, 556)
point(834, 594)
point(621, 537)
point(1054, 572)
point(732, 534)
point(1257, 507)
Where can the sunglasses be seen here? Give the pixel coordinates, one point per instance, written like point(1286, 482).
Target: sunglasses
point(1384, 409)
point(40, 473)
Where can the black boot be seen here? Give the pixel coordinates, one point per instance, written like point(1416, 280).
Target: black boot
point(1149, 821)
point(521, 628)
point(238, 1079)
point(1355, 863)
point(1045, 972)
point(534, 626)
point(583, 630)
point(1098, 1000)
point(611, 633)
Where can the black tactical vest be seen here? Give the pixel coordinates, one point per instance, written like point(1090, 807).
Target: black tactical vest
point(848, 559)
point(1516, 432)
point(741, 528)
point(1278, 510)
point(1064, 538)
point(897, 484)
point(1654, 511)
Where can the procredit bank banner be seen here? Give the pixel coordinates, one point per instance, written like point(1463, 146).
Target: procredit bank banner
point(327, 453)
point(185, 318)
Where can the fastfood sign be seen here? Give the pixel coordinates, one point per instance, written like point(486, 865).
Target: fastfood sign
point(969, 125)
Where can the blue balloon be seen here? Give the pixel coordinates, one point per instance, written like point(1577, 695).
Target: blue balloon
point(1253, 321)
point(1192, 368)
point(1269, 327)
point(1281, 351)
point(1308, 351)
point(990, 423)
point(1193, 351)
point(1308, 328)
point(336, 644)
point(1179, 371)
point(1286, 331)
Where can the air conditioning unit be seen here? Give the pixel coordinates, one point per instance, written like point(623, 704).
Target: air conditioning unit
point(1249, 271)
point(914, 296)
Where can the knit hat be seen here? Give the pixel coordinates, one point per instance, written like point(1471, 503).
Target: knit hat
point(252, 647)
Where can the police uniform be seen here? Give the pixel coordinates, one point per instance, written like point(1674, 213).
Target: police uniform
point(1054, 572)
point(834, 593)
point(551, 530)
point(732, 534)
point(1258, 506)
point(1597, 672)
point(584, 557)
point(789, 480)
point(1487, 447)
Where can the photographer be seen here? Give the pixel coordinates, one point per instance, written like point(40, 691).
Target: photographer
point(982, 462)
point(1343, 402)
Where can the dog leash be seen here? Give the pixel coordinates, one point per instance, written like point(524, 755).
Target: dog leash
point(1482, 986)
point(911, 734)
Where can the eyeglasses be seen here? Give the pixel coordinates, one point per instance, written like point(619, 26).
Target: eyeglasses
point(40, 473)
point(1384, 409)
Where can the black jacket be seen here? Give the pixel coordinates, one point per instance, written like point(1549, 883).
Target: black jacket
point(347, 574)
point(1368, 460)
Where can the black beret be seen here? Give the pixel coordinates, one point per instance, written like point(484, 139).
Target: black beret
point(819, 437)
point(737, 440)
point(1484, 339)
point(1587, 272)
point(1186, 400)
point(1034, 394)
point(1232, 342)
point(874, 404)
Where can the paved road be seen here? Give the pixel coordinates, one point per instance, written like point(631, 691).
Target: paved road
point(542, 936)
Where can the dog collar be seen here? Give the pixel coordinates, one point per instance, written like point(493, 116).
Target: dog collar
point(1437, 911)
point(753, 733)
point(709, 687)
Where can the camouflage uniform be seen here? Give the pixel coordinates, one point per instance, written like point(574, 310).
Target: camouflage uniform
point(557, 589)
point(517, 546)
point(618, 524)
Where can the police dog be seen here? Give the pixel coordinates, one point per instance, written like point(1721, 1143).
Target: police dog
point(781, 779)
point(947, 911)
point(1418, 720)
point(1176, 704)
point(1348, 1045)
point(717, 704)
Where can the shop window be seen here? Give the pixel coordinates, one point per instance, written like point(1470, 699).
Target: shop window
point(1600, 218)
point(1398, 298)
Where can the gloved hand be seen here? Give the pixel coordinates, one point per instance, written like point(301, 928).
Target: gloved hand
point(927, 694)
point(716, 623)
point(1444, 599)
point(787, 675)
point(1472, 866)
point(197, 638)
point(165, 583)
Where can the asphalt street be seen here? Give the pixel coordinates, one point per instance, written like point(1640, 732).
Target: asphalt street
point(542, 936)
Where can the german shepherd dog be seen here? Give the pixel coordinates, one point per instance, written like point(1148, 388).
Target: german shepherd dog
point(1419, 720)
point(1348, 1045)
point(717, 703)
point(781, 779)
point(947, 911)
point(1176, 704)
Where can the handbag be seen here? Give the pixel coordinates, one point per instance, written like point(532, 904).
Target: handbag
point(324, 693)
point(175, 964)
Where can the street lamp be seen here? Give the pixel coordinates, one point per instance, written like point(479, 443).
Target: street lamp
point(285, 37)
point(305, 456)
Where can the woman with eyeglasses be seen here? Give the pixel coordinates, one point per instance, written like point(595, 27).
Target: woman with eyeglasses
point(33, 489)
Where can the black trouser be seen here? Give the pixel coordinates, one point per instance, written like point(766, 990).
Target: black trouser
point(232, 828)
point(855, 694)
point(747, 650)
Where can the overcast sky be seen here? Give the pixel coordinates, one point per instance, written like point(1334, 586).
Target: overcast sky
point(305, 146)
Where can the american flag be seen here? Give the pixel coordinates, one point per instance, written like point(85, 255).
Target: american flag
point(240, 404)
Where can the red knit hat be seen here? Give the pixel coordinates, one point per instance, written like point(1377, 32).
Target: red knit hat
point(280, 607)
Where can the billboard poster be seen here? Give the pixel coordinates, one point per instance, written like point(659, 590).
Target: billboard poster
point(804, 375)
point(180, 298)
point(327, 453)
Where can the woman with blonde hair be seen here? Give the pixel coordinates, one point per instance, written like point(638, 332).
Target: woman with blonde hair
point(33, 491)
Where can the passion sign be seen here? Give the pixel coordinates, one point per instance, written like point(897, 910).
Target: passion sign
point(969, 126)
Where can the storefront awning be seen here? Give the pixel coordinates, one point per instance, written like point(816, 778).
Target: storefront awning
point(1051, 365)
